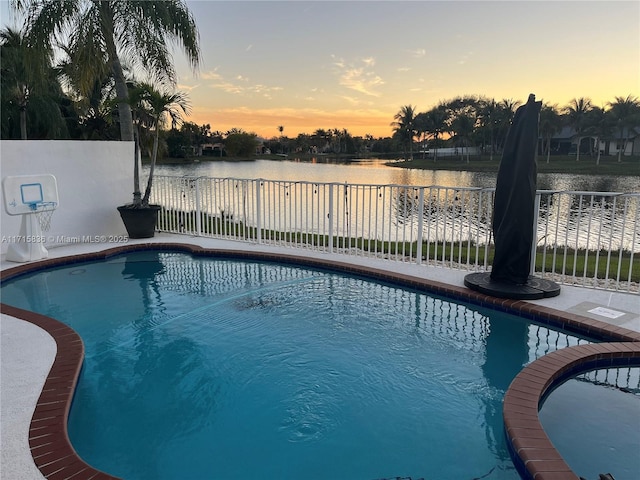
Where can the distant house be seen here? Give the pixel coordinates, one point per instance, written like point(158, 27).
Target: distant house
point(562, 142)
point(261, 148)
point(565, 142)
point(611, 145)
point(213, 149)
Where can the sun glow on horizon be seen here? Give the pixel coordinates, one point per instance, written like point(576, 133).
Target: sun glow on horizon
point(378, 56)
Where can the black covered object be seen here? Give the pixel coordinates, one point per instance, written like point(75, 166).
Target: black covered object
point(513, 216)
point(514, 203)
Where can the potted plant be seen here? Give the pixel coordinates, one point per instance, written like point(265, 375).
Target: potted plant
point(150, 107)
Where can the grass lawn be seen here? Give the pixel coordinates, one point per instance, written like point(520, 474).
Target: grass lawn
point(557, 164)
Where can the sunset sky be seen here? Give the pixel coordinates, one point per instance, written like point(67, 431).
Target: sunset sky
point(318, 64)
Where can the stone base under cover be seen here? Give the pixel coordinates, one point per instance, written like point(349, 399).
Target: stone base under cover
point(534, 289)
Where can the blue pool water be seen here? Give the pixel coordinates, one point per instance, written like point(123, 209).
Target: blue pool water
point(200, 368)
point(579, 409)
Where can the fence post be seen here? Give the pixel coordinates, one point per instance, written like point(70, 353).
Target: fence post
point(331, 218)
point(420, 226)
point(258, 217)
point(536, 212)
point(198, 209)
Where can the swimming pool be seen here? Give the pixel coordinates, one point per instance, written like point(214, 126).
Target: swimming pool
point(308, 374)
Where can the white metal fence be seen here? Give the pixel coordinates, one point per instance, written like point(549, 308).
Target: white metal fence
point(583, 238)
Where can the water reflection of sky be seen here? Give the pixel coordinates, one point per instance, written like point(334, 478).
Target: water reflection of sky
point(376, 172)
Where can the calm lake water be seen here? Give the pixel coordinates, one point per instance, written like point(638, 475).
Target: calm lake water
point(375, 171)
point(590, 221)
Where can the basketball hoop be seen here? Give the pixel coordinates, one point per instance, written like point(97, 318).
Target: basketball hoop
point(33, 198)
point(44, 212)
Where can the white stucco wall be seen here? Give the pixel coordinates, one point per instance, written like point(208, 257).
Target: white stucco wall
point(93, 178)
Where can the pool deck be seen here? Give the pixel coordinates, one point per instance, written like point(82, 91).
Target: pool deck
point(27, 351)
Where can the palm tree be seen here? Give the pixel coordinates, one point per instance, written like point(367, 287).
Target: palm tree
point(161, 105)
point(103, 31)
point(488, 115)
point(16, 74)
point(405, 126)
point(142, 121)
point(336, 140)
point(463, 127)
point(93, 96)
point(281, 129)
point(626, 113)
point(329, 140)
point(422, 127)
point(506, 111)
point(28, 83)
point(319, 138)
point(550, 124)
point(599, 122)
point(437, 125)
point(495, 118)
point(576, 113)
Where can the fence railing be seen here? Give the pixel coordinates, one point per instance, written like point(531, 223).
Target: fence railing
point(590, 239)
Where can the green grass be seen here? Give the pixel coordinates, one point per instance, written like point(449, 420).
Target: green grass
point(590, 264)
point(557, 164)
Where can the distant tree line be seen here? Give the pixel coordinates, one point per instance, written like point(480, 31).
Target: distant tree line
point(483, 123)
point(79, 97)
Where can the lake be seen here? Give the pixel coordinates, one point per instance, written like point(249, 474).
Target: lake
point(372, 201)
point(376, 171)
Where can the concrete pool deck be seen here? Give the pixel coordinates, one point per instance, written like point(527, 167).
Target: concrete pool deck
point(27, 352)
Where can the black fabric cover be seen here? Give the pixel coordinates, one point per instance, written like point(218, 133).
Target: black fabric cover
point(514, 202)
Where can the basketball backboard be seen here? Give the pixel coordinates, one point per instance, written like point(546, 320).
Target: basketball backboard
point(28, 193)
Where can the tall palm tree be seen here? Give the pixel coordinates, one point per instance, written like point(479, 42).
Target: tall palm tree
point(93, 97)
point(626, 113)
point(463, 127)
point(422, 127)
point(329, 140)
point(405, 125)
point(28, 80)
point(488, 116)
point(142, 122)
point(437, 125)
point(106, 32)
point(16, 74)
point(280, 130)
point(576, 114)
point(320, 138)
point(550, 124)
point(161, 106)
point(506, 111)
point(599, 122)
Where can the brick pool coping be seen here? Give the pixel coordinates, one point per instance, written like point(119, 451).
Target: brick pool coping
point(531, 450)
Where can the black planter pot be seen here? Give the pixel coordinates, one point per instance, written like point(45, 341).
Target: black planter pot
point(140, 222)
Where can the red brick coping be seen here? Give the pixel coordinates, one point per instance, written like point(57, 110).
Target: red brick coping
point(50, 447)
point(533, 453)
point(531, 450)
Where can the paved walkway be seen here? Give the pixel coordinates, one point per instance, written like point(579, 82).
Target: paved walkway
point(27, 352)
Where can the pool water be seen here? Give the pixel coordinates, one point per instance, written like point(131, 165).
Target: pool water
point(199, 368)
point(576, 410)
